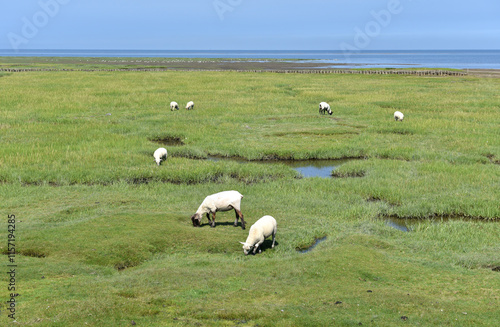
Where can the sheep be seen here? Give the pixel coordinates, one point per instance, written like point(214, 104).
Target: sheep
point(222, 201)
point(323, 106)
point(160, 154)
point(174, 106)
point(190, 105)
point(398, 116)
point(263, 228)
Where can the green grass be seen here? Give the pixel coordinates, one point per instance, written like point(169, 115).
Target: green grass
point(103, 235)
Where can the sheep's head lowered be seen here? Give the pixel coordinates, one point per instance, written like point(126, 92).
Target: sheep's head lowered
point(246, 247)
point(323, 106)
point(196, 219)
point(159, 155)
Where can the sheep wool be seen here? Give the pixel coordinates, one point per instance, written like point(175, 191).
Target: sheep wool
point(174, 106)
point(160, 154)
point(262, 229)
point(398, 116)
point(324, 107)
point(222, 201)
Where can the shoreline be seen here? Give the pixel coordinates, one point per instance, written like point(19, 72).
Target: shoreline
point(24, 64)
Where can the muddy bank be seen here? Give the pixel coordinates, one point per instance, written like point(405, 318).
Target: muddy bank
point(492, 73)
point(284, 69)
point(21, 64)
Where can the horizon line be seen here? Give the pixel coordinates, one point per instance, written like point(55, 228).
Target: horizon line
point(323, 50)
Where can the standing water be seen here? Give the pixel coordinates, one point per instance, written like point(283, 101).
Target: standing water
point(409, 224)
point(312, 246)
point(307, 168)
point(315, 168)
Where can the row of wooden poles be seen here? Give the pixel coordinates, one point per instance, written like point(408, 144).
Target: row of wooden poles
point(280, 71)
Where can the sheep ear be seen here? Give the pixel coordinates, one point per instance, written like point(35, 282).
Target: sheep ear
point(243, 243)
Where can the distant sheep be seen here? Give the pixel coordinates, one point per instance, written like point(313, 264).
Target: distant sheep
point(160, 154)
point(323, 106)
point(174, 106)
point(222, 201)
point(190, 105)
point(263, 228)
point(398, 116)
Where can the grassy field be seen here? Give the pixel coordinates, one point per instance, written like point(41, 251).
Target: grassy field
point(103, 235)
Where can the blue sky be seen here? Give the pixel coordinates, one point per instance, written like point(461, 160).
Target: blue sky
point(250, 24)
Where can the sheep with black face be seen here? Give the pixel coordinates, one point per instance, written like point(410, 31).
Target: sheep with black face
point(324, 107)
point(174, 106)
point(190, 105)
point(398, 116)
point(222, 201)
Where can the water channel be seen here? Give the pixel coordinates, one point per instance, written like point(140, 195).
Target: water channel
point(307, 168)
point(323, 169)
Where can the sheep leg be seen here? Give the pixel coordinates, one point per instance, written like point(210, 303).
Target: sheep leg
point(239, 215)
point(257, 246)
point(274, 236)
point(242, 221)
point(213, 220)
point(208, 217)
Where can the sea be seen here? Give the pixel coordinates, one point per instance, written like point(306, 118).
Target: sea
point(458, 59)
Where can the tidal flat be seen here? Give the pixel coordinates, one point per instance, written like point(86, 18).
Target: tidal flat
point(103, 235)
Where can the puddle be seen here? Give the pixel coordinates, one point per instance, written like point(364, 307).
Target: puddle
point(409, 224)
point(310, 248)
point(307, 168)
point(315, 168)
point(400, 224)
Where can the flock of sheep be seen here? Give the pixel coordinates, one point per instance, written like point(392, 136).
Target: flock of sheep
point(325, 107)
point(231, 200)
point(175, 106)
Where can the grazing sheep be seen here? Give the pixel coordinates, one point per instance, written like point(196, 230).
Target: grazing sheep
point(174, 106)
point(160, 154)
point(223, 201)
point(190, 105)
point(398, 116)
point(323, 106)
point(263, 228)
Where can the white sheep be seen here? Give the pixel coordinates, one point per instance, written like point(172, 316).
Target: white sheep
point(160, 154)
point(222, 201)
point(190, 105)
point(398, 116)
point(174, 106)
point(263, 228)
point(323, 106)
